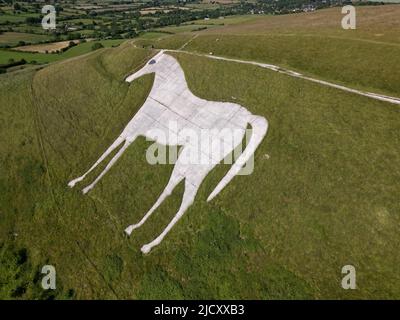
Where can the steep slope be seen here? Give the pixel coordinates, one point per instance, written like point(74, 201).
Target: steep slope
point(324, 192)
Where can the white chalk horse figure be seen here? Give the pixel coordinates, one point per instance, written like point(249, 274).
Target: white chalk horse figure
point(171, 100)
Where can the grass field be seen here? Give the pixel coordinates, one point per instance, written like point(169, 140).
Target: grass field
point(13, 17)
point(153, 35)
point(37, 29)
point(340, 56)
point(46, 47)
point(324, 192)
point(12, 38)
point(186, 28)
point(230, 20)
point(211, 23)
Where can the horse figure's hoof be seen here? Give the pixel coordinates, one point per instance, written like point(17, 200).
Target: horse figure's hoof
point(129, 230)
point(145, 249)
point(87, 189)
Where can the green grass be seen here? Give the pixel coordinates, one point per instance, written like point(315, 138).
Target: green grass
point(87, 47)
point(80, 49)
point(323, 51)
point(324, 192)
point(326, 195)
point(203, 6)
point(153, 35)
point(87, 33)
point(166, 42)
point(339, 60)
point(12, 38)
point(84, 21)
point(16, 17)
point(185, 28)
point(231, 20)
point(28, 29)
point(6, 55)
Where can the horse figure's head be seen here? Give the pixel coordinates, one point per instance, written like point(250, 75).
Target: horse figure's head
point(150, 67)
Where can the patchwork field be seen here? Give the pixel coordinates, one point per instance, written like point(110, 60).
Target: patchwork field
point(324, 192)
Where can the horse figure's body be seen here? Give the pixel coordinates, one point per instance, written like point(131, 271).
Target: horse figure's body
point(171, 100)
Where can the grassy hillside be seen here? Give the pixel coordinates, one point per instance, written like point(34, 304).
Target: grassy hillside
point(315, 44)
point(324, 192)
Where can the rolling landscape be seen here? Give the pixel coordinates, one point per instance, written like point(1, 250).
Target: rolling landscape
point(325, 188)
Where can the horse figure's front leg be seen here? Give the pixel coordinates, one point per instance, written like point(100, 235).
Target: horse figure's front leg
point(115, 144)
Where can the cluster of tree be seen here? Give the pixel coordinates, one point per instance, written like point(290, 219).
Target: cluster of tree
point(70, 45)
point(19, 7)
point(97, 46)
point(33, 20)
point(9, 64)
point(287, 6)
point(12, 63)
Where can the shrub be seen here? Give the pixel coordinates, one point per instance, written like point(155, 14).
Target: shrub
point(97, 46)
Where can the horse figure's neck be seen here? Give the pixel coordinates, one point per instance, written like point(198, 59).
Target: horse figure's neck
point(168, 73)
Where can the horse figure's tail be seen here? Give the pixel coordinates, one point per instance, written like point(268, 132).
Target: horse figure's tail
point(259, 130)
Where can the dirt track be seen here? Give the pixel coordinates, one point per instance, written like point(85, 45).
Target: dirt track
point(291, 73)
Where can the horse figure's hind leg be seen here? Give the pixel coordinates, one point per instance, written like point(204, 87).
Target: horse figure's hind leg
point(187, 200)
point(192, 184)
point(115, 144)
point(172, 183)
point(109, 165)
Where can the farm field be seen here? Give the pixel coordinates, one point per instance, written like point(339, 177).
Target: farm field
point(13, 38)
point(324, 192)
point(12, 18)
point(153, 35)
point(186, 28)
point(230, 20)
point(46, 47)
point(200, 25)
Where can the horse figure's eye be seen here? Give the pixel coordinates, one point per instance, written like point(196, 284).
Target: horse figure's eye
point(152, 61)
